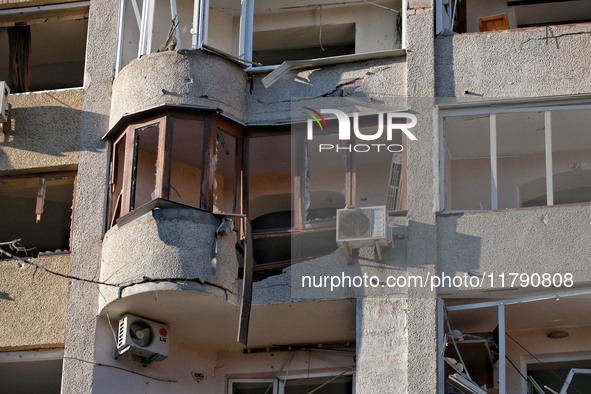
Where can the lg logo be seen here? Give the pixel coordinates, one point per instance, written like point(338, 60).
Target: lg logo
point(393, 121)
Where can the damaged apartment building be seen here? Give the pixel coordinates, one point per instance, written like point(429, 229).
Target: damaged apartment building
point(162, 206)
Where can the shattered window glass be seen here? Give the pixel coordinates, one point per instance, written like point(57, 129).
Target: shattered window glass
point(225, 178)
point(39, 216)
point(145, 165)
point(325, 169)
point(187, 162)
point(269, 187)
point(116, 197)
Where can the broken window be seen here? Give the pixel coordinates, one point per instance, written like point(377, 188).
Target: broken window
point(45, 49)
point(187, 162)
point(294, 214)
point(293, 31)
point(145, 165)
point(516, 345)
point(38, 210)
point(188, 157)
point(269, 186)
point(321, 384)
point(325, 186)
point(469, 16)
point(259, 31)
point(517, 157)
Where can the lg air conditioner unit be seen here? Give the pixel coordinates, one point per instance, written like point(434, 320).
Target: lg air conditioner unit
point(363, 227)
point(143, 337)
point(4, 92)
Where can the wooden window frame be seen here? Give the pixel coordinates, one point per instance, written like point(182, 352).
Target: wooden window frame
point(299, 182)
point(166, 124)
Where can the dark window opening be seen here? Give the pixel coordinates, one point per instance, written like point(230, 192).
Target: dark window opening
point(16, 376)
point(276, 46)
point(37, 210)
point(44, 53)
point(553, 375)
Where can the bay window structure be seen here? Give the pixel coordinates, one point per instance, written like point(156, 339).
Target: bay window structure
point(182, 155)
point(514, 157)
point(259, 32)
point(288, 188)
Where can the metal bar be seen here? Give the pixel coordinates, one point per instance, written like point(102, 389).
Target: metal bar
point(120, 28)
point(136, 11)
point(442, 203)
point(570, 376)
point(440, 337)
point(164, 158)
point(150, 24)
point(73, 213)
point(404, 16)
point(147, 22)
point(549, 174)
point(175, 19)
point(481, 305)
point(494, 108)
point(197, 5)
point(142, 39)
point(493, 162)
point(246, 301)
point(41, 189)
point(502, 362)
point(246, 29)
point(204, 22)
point(456, 345)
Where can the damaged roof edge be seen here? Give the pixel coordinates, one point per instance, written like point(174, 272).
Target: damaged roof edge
point(290, 65)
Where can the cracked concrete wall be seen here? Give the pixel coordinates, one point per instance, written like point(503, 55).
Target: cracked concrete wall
point(43, 132)
point(370, 78)
point(77, 376)
point(532, 240)
point(421, 168)
point(173, 244)
point(179, 77)
point(33, 304)
point(382, 324)
point(515, 63)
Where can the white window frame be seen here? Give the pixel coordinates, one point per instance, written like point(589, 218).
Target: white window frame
point(280, 381)
point(500, 305)
point(27, 356)
point(551, 358)
point(145, 21)
point(491, 110)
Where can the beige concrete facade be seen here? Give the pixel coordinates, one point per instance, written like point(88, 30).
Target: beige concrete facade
point(170, 264)
point(34, 304)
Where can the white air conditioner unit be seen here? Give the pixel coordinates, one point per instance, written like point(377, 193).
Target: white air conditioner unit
point(363, 227)
point(4, 92)
point(143, 337)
